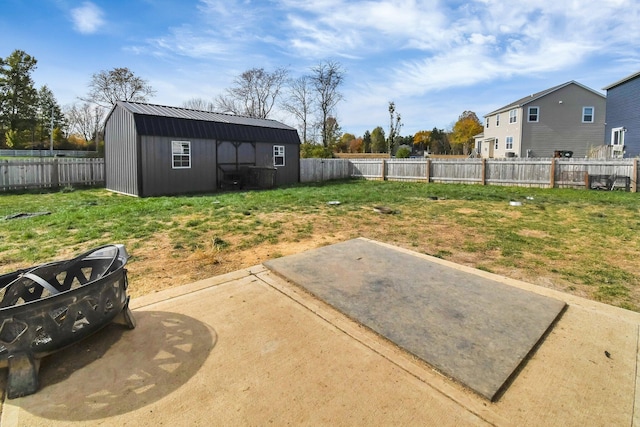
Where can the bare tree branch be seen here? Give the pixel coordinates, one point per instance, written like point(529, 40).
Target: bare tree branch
point(299, 103)
point(254, 93)
point(326, 78)
point(199, 104)
point(120, 84)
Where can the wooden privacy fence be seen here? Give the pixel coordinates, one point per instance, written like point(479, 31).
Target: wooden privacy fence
point(47, 173)
point(535, 172)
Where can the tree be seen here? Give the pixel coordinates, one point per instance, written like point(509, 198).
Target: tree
point(299, 103)
point(254, 93)
point(344, 142)
point(120, 84)
point(366, 142)
point(378, 144)
point(467, 126)
point(18, 97)
point(394, 126)
point(333, 132)
point(326, 78)
point(199, 104)
point(438, 141)
point(85, 120)
point(49, 117)
point(421, 139)
point(356, 146)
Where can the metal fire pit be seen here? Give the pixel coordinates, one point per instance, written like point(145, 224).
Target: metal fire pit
point(51, 306)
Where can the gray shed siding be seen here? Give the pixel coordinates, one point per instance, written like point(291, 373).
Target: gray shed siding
point(290, 173)
point(139, 157)
point(623, 110)
point(121, 153)
point(560, 126)
point(158, 176)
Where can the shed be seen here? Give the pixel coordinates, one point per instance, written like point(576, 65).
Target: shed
point(155, 150)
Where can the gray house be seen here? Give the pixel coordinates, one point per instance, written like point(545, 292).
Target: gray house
point(155, 150)
point(567, 117)
point(622, 130)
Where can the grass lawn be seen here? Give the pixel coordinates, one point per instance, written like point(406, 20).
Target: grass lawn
point(582, 242)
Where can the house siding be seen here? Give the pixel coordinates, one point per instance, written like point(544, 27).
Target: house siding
point(502, 131)
point(623, 110)
point(560, 126)
point(121, 153)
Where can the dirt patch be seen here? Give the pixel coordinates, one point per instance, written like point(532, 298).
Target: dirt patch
point(466, 211)
point(156, 264)
point(534, 233)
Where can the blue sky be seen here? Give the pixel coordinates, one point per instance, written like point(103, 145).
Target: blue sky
point(434, 59)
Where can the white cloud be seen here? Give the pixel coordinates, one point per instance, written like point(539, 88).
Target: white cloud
point(88, 18)
point(407, 50)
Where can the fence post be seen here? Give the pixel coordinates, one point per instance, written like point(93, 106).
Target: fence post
point(484, 172)
point(384, 169)
point(428, 170)
point(55, 177)
point(552, 178)
point(634, 181)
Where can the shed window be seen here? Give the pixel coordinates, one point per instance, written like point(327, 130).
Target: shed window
point(587, 114)
point(181, 154)
point(513, 116)
point(278, 155)
point(533, 114)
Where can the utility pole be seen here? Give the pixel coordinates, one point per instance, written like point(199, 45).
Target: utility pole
point(51, 133)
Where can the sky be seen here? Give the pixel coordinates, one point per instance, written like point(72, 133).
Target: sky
point(433, 59)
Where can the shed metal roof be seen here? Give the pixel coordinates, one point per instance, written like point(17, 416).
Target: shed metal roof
point(528, 99)
point(160, 120)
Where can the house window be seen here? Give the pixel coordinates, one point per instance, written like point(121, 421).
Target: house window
point(181, 154)
point(617, 136)
point(533, 114)
point(495, 147)
point(497, 120)
point(513, 115)
point(509, 143)
point(487, 121)
point(278, 155)
point(587, 114)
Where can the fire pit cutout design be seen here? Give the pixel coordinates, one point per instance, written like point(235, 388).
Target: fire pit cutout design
point(51, 306)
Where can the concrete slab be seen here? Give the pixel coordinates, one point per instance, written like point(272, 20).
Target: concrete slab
point(249, 348)
point(235, 353)
point(473, 329)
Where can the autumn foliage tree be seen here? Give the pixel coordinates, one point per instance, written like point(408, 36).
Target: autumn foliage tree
point(356, 145)
point(421, 139)
point(467, 126)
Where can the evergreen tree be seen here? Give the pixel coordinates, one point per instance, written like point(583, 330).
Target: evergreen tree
point(366, 142)
point(49, 113)
point(18, 99)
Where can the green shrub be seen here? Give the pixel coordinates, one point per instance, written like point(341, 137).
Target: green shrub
point(403, 153)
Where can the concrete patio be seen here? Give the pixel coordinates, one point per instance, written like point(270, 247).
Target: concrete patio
point(251, 348)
